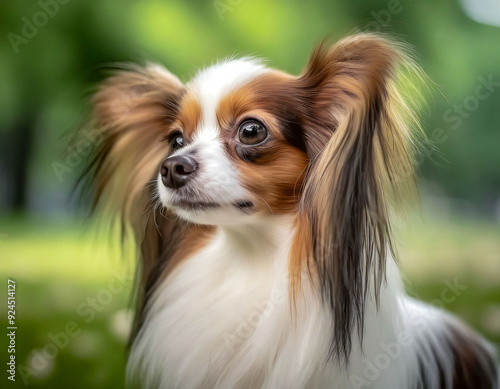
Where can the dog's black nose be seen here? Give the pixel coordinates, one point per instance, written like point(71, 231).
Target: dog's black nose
point(176, 171)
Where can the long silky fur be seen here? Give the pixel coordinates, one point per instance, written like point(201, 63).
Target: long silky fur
point(361, 157)
point(132, 113)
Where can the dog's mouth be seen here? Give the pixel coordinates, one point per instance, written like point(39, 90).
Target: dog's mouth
point(243, 205)
point(195, 205)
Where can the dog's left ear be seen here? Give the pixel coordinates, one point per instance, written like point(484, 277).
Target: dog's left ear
point(132, 114)
point(358, 137)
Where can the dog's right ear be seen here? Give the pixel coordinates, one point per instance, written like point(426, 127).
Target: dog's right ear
point(132, 114)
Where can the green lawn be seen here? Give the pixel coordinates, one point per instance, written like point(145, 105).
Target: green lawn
point(72, 303)
point(73, 293)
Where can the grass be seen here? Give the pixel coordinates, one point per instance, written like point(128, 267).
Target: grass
point(63, 277)
point(68, 277)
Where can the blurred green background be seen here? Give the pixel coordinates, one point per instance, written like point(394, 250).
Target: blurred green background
point(73, 290)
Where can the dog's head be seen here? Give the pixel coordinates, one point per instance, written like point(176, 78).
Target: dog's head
point(235, 149)
point(240, 141)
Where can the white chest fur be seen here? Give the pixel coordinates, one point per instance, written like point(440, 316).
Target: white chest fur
point(222, 319)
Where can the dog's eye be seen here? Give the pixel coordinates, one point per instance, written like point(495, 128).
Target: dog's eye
point(177, 142)
point(252, 132)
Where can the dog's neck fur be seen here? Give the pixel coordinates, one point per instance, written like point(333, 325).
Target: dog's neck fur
point(264, 241)
point(226, 311)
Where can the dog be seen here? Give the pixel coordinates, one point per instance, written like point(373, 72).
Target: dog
point(261, 206)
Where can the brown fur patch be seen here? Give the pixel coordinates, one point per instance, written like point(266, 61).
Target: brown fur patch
point(193, 240)
point(190, 114)
point(475, 366)
point(461, 359)
point(299, 257)
point(274, 170)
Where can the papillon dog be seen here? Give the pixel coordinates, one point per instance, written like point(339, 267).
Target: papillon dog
point(261, 206)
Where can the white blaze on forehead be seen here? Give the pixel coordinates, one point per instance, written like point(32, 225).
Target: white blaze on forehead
point(210, 85)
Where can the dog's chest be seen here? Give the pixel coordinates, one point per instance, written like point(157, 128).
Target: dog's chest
point(223, 319)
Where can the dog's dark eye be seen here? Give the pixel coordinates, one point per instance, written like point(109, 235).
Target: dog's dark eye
point(252, 132)
point(177, 142)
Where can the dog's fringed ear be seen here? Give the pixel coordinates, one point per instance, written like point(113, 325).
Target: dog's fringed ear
point(358, 133)
point(132, 114)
